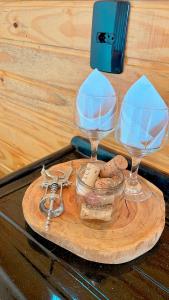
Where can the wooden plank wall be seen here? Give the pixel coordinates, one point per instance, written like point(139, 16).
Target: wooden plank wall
point(44, 57)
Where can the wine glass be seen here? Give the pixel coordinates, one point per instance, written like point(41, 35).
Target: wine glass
point(95, 117)
point(141, 131)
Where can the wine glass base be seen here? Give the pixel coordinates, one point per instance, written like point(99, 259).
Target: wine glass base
point(139, 193)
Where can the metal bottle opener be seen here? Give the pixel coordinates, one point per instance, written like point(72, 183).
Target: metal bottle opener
point(54, 183)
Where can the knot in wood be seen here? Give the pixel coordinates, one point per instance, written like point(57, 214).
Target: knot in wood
point(15, 24)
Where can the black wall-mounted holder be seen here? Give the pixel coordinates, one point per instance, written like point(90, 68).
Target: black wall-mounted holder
point(108, 38)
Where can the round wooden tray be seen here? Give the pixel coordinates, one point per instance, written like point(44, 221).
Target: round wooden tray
point(137, 230)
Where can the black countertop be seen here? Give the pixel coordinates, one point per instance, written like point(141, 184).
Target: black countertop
point(34, 268)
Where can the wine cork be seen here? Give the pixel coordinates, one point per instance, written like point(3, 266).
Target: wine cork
point(89, 177)
point(88, 212)
point(91, 173)
point(111, 167)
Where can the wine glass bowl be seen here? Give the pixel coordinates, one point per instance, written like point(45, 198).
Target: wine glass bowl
point(95, 117)
point(141, 131)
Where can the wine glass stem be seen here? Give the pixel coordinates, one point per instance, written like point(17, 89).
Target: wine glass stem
point(134, 170)
point(94, 146)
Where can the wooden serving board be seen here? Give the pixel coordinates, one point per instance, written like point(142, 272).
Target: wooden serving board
point(135, 232)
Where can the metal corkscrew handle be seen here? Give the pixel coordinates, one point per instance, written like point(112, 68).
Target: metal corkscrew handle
point(54, 183)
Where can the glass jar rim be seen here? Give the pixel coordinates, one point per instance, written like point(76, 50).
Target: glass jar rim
point(94, 189)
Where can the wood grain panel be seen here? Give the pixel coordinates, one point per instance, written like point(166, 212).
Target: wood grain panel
point(66, 69)
point(11, 158)
point(60, 84)
point(68, 24)
point(32, 126)
point(59, 68)
point(44, 57)
point(160, 4)
point(61, 25)
point(4, 170)
point(33, 135)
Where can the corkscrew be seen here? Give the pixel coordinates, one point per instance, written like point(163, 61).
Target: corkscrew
point(54, 183)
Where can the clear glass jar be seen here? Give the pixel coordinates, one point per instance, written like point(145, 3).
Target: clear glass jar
point(99, 207)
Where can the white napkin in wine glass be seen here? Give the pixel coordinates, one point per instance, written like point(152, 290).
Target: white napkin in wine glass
point(91, 116)
point(138, 130)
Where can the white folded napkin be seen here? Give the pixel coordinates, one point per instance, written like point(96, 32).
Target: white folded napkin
point(141, 127)
point(95, 112)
